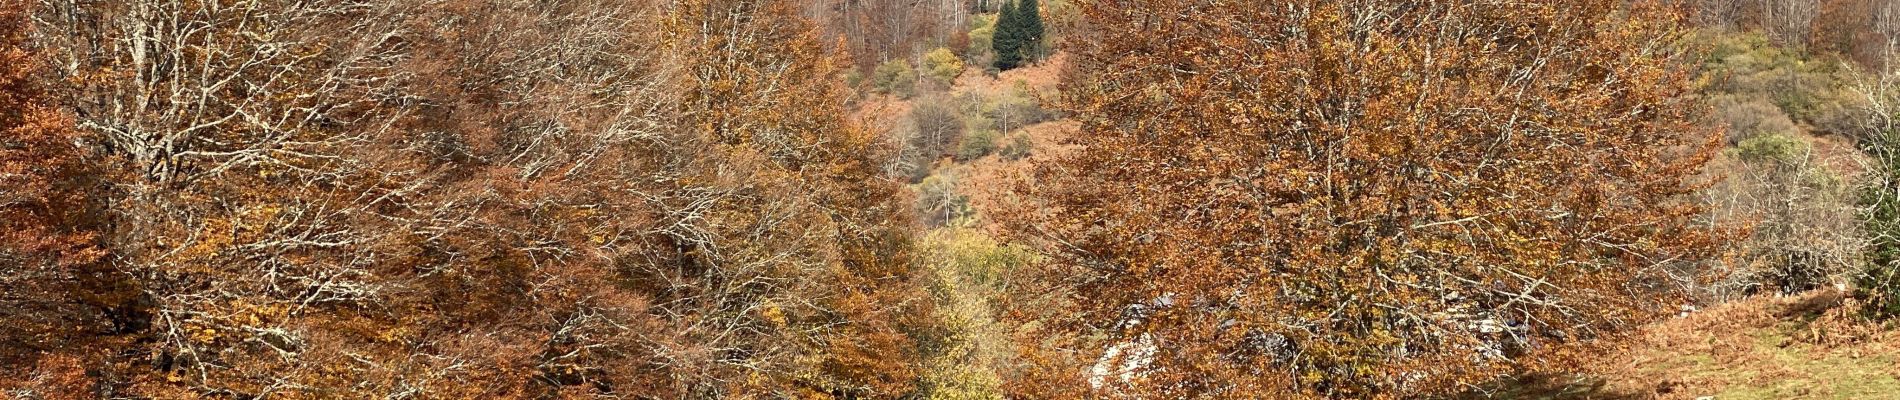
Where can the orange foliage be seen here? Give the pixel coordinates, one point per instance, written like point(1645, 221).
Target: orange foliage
point(481, 199)
point(762, 100)
point(1361, 199)
point(40, 161)
point(56, 298)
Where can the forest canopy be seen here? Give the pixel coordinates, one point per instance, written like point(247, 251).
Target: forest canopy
point(948, 200)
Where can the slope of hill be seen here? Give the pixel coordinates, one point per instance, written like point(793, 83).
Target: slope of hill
point(1807, 346)
point(1804, 346)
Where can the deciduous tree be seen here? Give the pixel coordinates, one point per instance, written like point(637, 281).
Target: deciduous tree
point(486, 199)
point(59, 298)
point(1361, 199)
point(798, 261)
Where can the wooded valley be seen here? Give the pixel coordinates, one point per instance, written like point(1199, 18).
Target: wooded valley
point(949, 199)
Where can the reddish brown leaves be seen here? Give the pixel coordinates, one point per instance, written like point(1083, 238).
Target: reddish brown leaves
point(1365, 199)
point(53, 293)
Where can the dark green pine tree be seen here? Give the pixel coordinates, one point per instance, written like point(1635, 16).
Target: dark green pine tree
point(1009, 39)
point(1880, 284)
point(1029, 19)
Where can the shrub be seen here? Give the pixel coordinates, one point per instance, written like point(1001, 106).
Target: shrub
point(853, 78)
point(1775, 147)
point(942, 65)
point(1879, 283)
point(896, 78)
point(1019, 147)
point(977, 145)
point(1748, 116)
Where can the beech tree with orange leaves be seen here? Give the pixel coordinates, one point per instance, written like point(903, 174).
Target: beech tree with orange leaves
point(59, 300)
point(797, 246)
point(476, 199)
point(1361, 199)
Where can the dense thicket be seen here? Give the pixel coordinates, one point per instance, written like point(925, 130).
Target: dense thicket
point(474, 199)
point(1362, 199)
point(59, 301)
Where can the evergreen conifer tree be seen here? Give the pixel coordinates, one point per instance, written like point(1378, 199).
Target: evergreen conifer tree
point(1010, 39)
point(1879, 285)
point(1029, 19)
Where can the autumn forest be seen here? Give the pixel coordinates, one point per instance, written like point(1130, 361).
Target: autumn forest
point(949, 199)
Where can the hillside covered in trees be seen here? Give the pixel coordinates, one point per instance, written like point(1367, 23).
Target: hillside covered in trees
point(949, 199)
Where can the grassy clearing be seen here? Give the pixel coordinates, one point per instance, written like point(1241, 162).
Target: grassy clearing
point(1801, 347)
